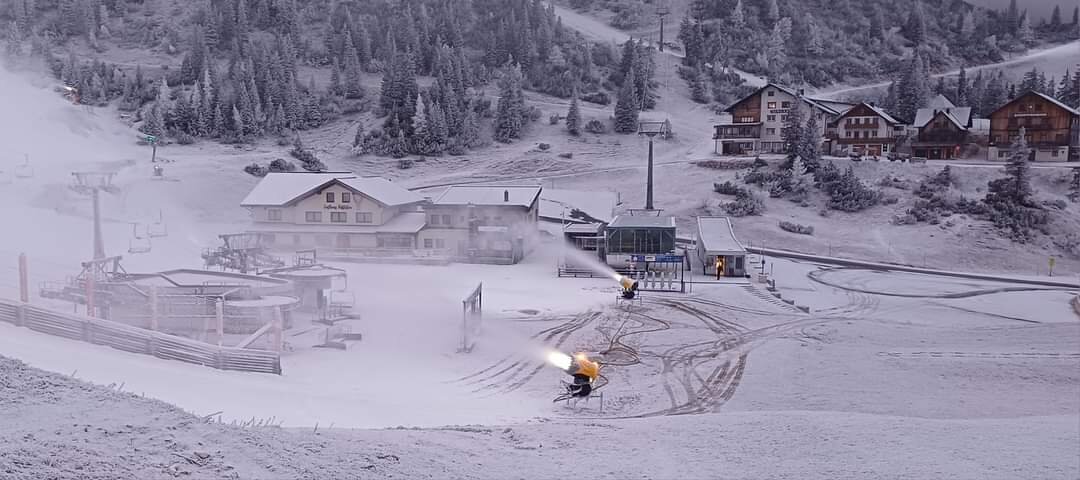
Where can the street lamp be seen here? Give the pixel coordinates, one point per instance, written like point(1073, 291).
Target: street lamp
point(650, 129)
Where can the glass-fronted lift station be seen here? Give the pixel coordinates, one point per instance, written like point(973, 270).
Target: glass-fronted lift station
point(641, 242)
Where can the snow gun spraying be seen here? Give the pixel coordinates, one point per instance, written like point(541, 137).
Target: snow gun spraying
point(629, 286)
point(584, 372)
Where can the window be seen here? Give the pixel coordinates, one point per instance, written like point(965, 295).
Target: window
point(313, 217)
point(338, 217)
point(1001, 153)
point(772, 105)
point(1054, 153)
point(346, 197)
point(847, 134)
point(771, 93)
point(770, 131)
point(364, 217)
point(435, 219)
point(273, 215)
point(885, 148)
point(783, 118)
point(786, 105)
point(746, 119)
point(873, 133)
point(428, 243)
point(446, 220)
point(329, 197)
point(771, 118)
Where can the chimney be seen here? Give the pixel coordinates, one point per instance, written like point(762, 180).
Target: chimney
point(506, 195)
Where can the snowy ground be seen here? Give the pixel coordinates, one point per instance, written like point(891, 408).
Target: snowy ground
point(968, 380)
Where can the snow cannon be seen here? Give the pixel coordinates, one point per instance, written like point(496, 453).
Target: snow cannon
point(629, 286)
point(584, 371)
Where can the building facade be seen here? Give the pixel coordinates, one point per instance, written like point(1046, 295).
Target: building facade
point(757, 121)
point(489, 224)
point(335, 210)
point(943, 130)
point(865, 129)
point(1052, 128)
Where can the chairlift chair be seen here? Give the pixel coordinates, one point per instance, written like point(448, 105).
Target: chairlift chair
point(24, 170)
point(158, 229)
point(139, 242)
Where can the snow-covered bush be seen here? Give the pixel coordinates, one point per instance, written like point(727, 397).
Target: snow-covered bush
point(796, 228)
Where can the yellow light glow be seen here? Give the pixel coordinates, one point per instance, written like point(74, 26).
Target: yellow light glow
point(559, 359)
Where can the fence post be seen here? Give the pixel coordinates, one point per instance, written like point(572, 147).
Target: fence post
point(276, 329)
point(219, 312)
point(154, 308)
point(24, 289)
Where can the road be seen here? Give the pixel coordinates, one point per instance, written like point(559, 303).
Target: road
point(597, 30)
point(1065, 51)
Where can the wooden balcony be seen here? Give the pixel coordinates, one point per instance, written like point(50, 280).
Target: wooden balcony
point(736, 131)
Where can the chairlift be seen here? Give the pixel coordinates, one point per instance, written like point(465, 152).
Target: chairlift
point(139, 242)
point(158, 229)
point(24, 170)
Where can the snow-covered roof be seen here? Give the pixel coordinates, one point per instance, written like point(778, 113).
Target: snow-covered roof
point(717, 236)
point(277, 189)
point(382, 190)
point(407, 222)
point(281, 188)
point(489, 195)
point(559, 204)
point(883, 114)
point(831, 107)
point(961, 116)
point(940, 102)
point(643, 221)
point(1055, 102)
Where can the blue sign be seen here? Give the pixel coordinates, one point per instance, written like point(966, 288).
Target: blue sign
point(657, 258)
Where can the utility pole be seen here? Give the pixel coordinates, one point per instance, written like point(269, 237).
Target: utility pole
point(662, 12)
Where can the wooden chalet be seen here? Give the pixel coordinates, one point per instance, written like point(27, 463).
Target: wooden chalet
point(1052, 128)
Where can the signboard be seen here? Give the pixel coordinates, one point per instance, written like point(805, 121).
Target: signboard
point(657, 258)
point(492, 229)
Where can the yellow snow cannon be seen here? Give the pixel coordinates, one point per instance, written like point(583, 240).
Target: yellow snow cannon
point(584, 371)
point(629, 286)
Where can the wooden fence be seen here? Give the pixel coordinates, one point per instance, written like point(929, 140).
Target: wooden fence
point(137, 340)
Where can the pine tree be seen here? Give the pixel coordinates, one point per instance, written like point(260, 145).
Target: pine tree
point(643, 72)
point(573, 116)
point(1031, 81)
point(470, 129)
point(811, 144)
point(1024, 33)
point(354, 87)
point(738, 17)
point(1068, 91)
point(1076, 16)
point(336, 88)
point(510, 114)
point(793, 132)
point(962, 89)
point(915, 28)
point(814, 43)
point(801, 177)
point(1012, 17)
point(626, 107)
point(939, 88)
point(772, 11)
point(877, 25)
point(358, 139)
point(890, 102)
point(912, 91)
point(1055, 17)
point(1015, 188)
point(699, 88)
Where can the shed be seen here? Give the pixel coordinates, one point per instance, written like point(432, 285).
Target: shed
point(718, 250)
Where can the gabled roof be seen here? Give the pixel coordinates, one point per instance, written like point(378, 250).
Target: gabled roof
point(961, 116)
point(831, 107)
point(876, 110)
point(276, 189)
point(279, 189)
point(490, 195)
point(1044, 97)
point(382, 190)
point(717, 235)
point(940, 102)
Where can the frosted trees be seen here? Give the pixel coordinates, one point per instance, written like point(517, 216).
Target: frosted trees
point(573, 116)
point(626, 108)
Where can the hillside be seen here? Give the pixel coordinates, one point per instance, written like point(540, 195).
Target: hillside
point(819, 43)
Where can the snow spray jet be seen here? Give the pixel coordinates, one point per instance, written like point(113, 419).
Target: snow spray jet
point(584, 371)
point(629, 285)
